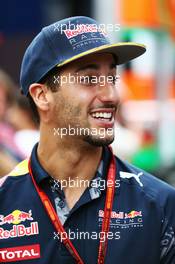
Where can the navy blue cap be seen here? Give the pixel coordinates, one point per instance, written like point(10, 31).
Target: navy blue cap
point(66, 41)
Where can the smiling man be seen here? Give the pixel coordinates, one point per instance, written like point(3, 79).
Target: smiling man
point(94, 105)
point(73, 201)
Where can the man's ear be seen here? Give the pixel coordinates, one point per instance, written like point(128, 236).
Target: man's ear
point(39, 94)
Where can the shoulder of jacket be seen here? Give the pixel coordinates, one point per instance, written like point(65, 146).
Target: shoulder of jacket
point(20, 170)
point(152, 186)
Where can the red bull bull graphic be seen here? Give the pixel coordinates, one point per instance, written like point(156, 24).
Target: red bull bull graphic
point(16, 217)
point(133, 214)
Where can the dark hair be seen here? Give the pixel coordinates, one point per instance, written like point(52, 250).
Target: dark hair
point(50, 81)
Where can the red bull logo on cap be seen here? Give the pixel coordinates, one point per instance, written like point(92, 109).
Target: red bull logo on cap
point(81, 29)
point(16, 217)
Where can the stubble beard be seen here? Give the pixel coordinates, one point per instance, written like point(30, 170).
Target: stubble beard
point(97, 140)
point(72, 118)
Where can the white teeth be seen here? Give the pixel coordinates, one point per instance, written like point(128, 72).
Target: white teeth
point(102, 115)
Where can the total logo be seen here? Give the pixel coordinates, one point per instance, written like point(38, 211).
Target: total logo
point(16, 217)
point(19, 253)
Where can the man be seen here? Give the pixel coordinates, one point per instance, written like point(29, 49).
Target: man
point(73, 201)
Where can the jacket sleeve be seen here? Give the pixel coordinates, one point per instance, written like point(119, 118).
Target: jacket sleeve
point(167, 244)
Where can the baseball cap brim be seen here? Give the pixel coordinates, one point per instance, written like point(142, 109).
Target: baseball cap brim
point(124, 51)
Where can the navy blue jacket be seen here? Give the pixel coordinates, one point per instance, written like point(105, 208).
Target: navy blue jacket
point(142, 221)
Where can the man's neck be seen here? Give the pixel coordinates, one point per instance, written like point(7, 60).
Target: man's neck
point(65, 158)
point(65, 162)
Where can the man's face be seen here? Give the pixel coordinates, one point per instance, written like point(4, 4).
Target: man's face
point(87, 99)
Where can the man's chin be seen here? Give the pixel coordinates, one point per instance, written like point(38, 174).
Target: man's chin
point(98, 141)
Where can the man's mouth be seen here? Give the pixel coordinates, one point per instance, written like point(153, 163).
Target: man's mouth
point(103, 115)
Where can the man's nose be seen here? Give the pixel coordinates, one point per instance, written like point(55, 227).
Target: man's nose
point(108, 93)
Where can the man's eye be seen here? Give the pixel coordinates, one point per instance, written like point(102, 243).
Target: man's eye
point(92, 80)
point(88, 80)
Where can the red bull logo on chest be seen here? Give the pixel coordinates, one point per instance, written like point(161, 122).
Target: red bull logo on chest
point(18, 229)
point(16, 217)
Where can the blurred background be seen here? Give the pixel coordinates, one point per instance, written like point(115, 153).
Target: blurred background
point(145, 124)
